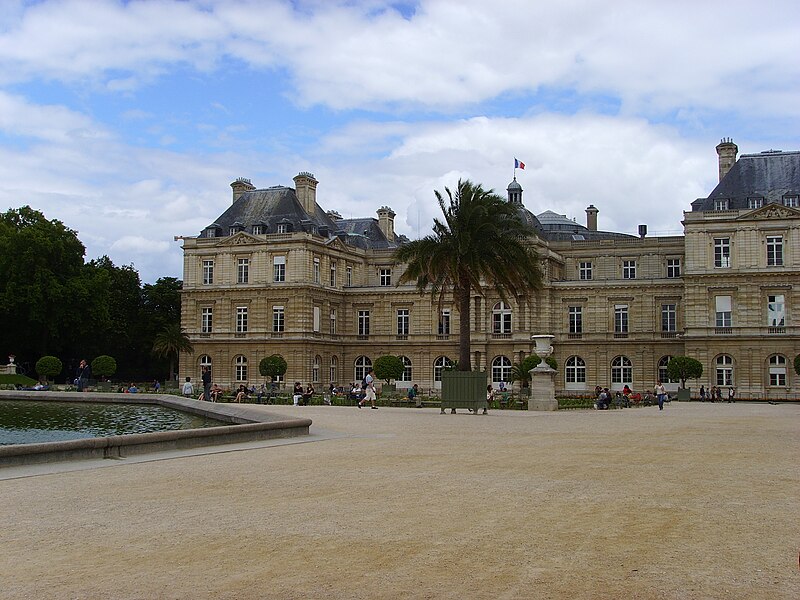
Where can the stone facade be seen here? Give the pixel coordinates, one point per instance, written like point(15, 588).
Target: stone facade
point(278, 275)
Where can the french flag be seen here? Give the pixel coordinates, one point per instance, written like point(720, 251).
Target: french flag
point(518, 164)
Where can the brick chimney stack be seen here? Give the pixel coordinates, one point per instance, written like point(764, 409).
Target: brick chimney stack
point(306, 189)
point(591, 217)
point(240, 186)
point(386, 222)
point(726, 150)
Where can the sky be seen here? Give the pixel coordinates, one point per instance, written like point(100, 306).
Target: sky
point(128, 121)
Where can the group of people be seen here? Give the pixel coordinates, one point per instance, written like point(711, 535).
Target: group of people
point(626, 397)
point(302, 397)
point(715, 394)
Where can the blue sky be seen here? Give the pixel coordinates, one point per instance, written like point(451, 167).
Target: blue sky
point(129, 120)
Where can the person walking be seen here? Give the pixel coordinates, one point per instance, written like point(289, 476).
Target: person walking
point(206, 378)
point(82, 375)
point(661, 393)
point(731, 394)
point(369, 388)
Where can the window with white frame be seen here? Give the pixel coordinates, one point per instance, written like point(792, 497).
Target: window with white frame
point(673, 267)
point(278, 319)
point(333, 274)
point(723, 311)
point(776, 311)
point(721, 204)
point(663, 376)
point(621, 318)
point(333, 321)
point(629, 269)
point(315, 368)
point(334, 369)
point(402, 321)
point(621, 370)
point(722, 253)
point(349, 275)
point(317, 318)
point(576, 319)
point(362, 366)
point(385, 277)
point(585, 270)
point(243, 270)
point(206, 319)
point(501, 318)
point(501, 369)
point(316, 271)
point(259, 230)
point(241, 319)
point(240, 368)
point(205, 363)
point(444, 322)
point(439, 365)
point(208, 272)
point(363, 322)
point(724, 370)
point(774, 250)
point(282, 228)
point(575, 370)
point(755, 203)
point(408, 374)
point(279, 268)
point(669, 318)
point(777, 370)
point(791, 201)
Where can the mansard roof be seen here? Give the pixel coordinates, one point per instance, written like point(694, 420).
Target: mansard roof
point(367, 234)
point(770, 175)
point(558, 227)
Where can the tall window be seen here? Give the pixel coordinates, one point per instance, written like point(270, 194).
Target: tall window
point(792, 201)
point(439, 365)
point(724, 365)
point(282, 228)
point(385, 277)
point(363, 322)
point(721, 204)
point(774, 250)
point(208, 272)
point(575, 369)
point(777, 370)
point(206, 319)
point(362, 365)
point(317, 317)
point(241, 319)
point(333, 274)
point(755, 203)
point(621, 370)
point(240, 368)
point(258, 230)
point(629, 269)
point(333, 321)
point(315, 368)
point(723, 311)
point(279, 268)
point(501, 369)
point(205, 362)
point(316, 270)
point(334, 370)
point(585, 270)
point(501, 318)
point(278, 319)
point(621, 318)
point(722, 253)
point(402, 321)
point(243, 270)
point(407, 371)
point(776, 311)
point(673, 267)
point(349, 275)
point(669, 318)
point(444, 322)
point(576, 319)
point(663, 377)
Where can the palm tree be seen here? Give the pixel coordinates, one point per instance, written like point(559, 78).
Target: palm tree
point(170, 343)
point(481, 244)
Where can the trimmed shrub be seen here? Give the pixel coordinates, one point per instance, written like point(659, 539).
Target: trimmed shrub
point(49, 366)
point(104, 366)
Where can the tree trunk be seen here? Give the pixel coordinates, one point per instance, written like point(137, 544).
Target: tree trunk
point(464, 330)
point(171, 369)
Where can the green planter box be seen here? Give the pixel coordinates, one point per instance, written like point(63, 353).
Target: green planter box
point(464, 389)
point(684, 394)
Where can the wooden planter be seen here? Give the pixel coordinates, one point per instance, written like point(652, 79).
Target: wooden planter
point(464, 389)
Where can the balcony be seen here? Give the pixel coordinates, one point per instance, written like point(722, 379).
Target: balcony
point(669, 335)
point(776, 330)
point(620, 336)
point(574, 336)
point(723, 330)
point(501, 336)
point(275, 335)
point(362, 338)
point(401, 338)
point(442, 337)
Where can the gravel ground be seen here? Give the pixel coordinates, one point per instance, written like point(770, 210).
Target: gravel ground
point(697, 501)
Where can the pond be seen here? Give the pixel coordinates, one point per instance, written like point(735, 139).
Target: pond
point(32, 422)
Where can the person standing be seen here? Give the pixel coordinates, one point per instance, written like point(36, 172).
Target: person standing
point(188, 388)
point(731, 394)
point(369, 388)
point(661, 393)
point(82, 375)
point(702, 393)
point(206, 378)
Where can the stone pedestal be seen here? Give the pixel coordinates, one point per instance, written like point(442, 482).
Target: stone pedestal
point(9, 369)
point(543, 388)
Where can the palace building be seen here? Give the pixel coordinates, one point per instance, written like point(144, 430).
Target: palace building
point(278, 274)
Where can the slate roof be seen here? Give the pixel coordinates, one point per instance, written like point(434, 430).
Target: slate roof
point(769, 175)
point(561, 228)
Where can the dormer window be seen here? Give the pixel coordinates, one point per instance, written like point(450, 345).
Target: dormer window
point(283, 228)
point(721, 204)
point(258, 230)
point(233, 231)
point(792, 201)
point(755, 203)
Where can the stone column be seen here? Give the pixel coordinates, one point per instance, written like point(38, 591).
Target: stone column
point(543, 388)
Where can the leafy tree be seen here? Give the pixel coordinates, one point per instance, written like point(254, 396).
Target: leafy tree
point(388, 367)
point(169, 343)
point(161, 302)
point(797, 364)
point(272, 366)
point(481, 244)
point(521, 371)
point(683, 368)
point(104, 366)
point(49, 366)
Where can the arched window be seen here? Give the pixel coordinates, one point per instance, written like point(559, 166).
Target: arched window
point(438, 366)
point(575, 370)
point(205, 361)
point(334, 371)
point(501, 369)
point(407, 372)
point(501, 318)
point(240, 370)
point(777, 370)
point(663, 377)
point(621, 371)
point(363, 365)
point(315, 367)
point(724, 368)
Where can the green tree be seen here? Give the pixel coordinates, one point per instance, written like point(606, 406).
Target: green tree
point(481, 244)
point(683, 368)
point(49, 366)
point(104, 366)
point(521, 371)
point(388, 367)
point(272, 366)
point(797, 364)
point(169, 343)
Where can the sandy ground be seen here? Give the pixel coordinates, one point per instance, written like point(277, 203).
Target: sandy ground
point(698, 501)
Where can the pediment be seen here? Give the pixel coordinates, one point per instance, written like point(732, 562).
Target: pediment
point(239, 239)
point(771, 211)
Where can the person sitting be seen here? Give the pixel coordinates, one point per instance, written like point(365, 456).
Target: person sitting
point(635, 398)
point(297, 393)
point(132, 389)
point(215, 393)
point(308, 394)
point(355, 392)
point(39, 387)
point(242, 393)
point(604, 400)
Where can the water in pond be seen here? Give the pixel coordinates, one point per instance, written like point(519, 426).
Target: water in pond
point(31, 422)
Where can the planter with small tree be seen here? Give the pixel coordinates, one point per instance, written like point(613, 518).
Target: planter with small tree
point(683, 368)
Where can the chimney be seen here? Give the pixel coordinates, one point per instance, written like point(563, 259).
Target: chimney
point(591, 218)
point(306, 189)
point(642, 231)
point(726, 150)
point(240, 186)
point(386, 222)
